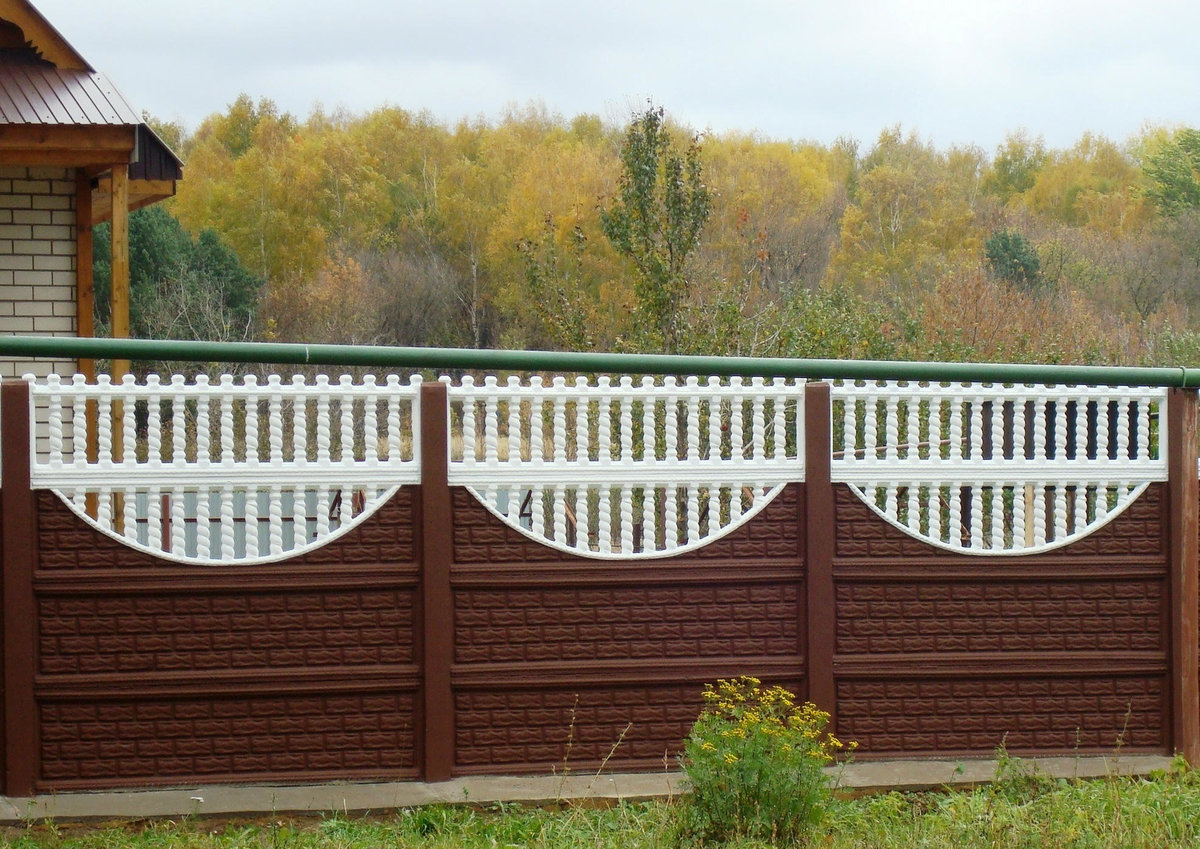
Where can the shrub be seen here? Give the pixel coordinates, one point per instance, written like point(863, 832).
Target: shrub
point(755, 760)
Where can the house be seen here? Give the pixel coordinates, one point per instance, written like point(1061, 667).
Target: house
point(73, 152)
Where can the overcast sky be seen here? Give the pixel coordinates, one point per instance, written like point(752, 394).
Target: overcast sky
point(956, 71)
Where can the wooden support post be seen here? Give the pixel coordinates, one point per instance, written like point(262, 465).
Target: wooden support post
point(1184, 500)
point(18, 532)
point(85, 293)
point(120, 262)
point(85, 306)
point(819, 548)
point(437, 603)
point(119, 316)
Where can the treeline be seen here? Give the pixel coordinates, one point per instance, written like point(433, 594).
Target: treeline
point(534, 231)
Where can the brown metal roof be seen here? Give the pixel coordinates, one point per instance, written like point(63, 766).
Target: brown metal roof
point(41, 94)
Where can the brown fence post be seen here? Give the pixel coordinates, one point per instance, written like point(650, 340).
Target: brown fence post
point(1184, 489)
point(818, 532)
point(436, 600)
point(18, 532)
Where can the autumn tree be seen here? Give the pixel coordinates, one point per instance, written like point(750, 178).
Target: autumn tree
point(655, 221)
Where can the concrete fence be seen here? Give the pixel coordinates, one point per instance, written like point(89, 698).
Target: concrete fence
point(422, 579)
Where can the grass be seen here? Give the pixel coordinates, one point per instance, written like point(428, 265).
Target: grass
point(1019, 809)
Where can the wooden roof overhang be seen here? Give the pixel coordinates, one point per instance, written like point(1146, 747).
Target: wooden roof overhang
point(56, 110)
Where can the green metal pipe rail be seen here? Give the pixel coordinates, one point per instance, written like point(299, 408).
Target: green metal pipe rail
point(274, 353)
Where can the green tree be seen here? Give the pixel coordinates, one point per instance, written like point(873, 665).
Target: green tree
point(655, 221)
point(1173, 172)
point(179, 288)
point(1013, 258)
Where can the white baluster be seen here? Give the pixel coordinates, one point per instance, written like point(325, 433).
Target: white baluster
point(55, 425)
point(559, 531)
point(604, 443)
point(913, 436)
point(1019, 429)
point(129, 513)
point(954, 503)
point(299, 517)
point(203, 431)
point(274, 519)
point(178, 522)
point(977, 429)
point(128, 424)
point(605, 523)
point(737, 415)
point(1143, 429)
point(226, 420)
point(228, 551)
point(1039, 432)
point(346, 419)
point(178, 421)
point(154, 518)
point(395, 432)
point(892, 424)
point(1125, 451)
point(649, 431)
point(1102, 428)
point(870, 426)
point(559, 406)
point(693, 513)
point(299, 421)
point(582, 518)
point(955, 450)
point(470, 445)
point(537, 445)
point(780, 419)
point(323, 520)
point(693, 422)
point(491, 447)
point(671, 421)
point(251, 410)
point(758, 439)
point(514, 453)
point(997, 543)
point(625, 408)
point(275, 421)
point(204, 525)
point(1040, 498)
point(250, 522)
point(582, 442)
point(324, 429)
point(370, 422)
point(715, 416)
point(626, 518)
point(714, 508)
point(976, 505)
point(79, 424)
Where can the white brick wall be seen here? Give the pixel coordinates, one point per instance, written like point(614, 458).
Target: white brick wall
point(37, 260)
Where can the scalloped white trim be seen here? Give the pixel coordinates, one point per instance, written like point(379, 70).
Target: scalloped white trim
point(759, 505)
point(1088, 529)
point(369, 509)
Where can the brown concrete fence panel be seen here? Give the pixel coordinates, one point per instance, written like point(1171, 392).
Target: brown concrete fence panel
point(436, 639)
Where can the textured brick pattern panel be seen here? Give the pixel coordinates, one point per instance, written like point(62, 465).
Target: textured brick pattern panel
point(67, 542)
point(1139, 531)
point(529, 730)
point(1058, 714)
point(167, 633)
point(891, 617)
point(480, 537)
point(539, 624)
point(158, 741)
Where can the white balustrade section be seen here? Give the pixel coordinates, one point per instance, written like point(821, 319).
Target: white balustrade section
point(626, 469)
point(991, 469)
point(227, 470)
